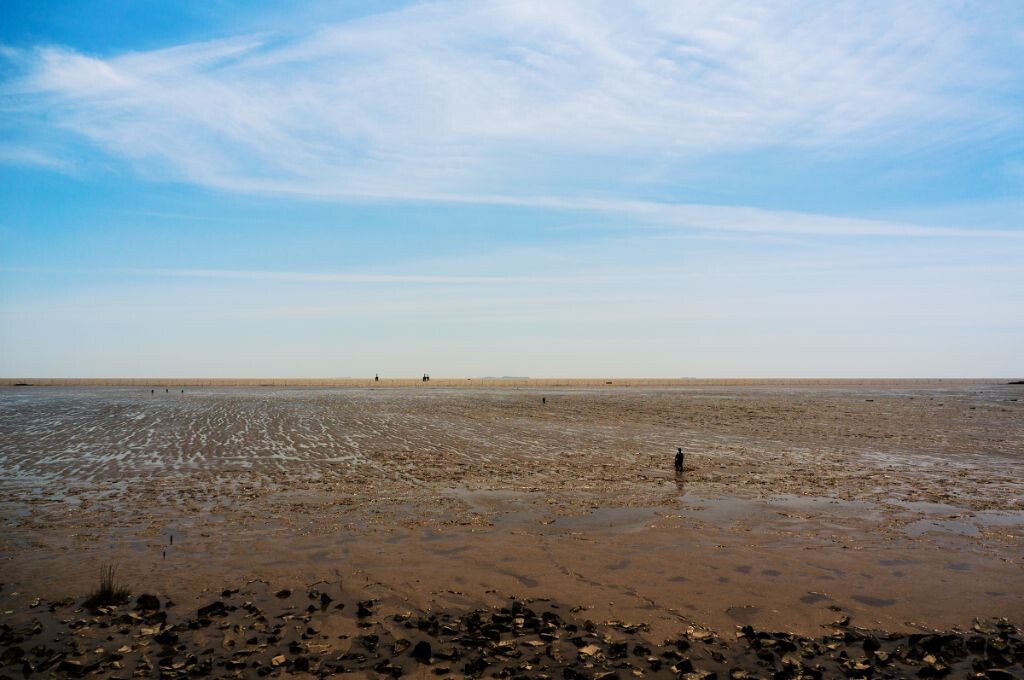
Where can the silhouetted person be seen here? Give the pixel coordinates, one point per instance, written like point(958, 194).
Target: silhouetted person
point(152, 391)
point(679, 460)
point(376, 378)
point(167, 391)
point(543, 400)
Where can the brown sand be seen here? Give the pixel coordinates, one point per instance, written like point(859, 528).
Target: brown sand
point(903, 504)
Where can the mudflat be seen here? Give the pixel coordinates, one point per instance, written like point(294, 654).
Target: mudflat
point(900, 506)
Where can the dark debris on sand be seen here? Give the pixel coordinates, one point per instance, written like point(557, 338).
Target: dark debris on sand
point(295, 635)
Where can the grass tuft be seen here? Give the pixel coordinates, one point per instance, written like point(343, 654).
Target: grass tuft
point(110, 592)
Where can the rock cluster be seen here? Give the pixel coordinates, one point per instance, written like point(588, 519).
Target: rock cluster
point(290, 634)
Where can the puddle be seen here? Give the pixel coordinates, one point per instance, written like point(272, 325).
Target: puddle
point(873, 601)
point(789, 509)
point(955, 527)
point(618, 520)
point(451, 551)
point(744, 614)
point(929, 508)
point(897, 562)
point(524, 580)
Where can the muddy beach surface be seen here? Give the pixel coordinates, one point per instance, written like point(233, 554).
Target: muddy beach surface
point(900, 507)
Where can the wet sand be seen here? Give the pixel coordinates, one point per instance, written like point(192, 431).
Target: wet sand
point(902, 505)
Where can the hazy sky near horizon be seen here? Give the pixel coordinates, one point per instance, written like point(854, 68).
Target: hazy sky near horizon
point(574, 188)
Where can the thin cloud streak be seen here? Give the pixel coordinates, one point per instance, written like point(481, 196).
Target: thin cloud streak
point(727, 218)
point(344, 278)
point(308, 277)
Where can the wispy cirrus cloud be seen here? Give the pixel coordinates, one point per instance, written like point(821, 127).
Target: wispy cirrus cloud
point(465, 101)
point(22, 155)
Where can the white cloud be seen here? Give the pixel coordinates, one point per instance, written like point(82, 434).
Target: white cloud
point(21, 155)
point(459, 100)
point(738, 218)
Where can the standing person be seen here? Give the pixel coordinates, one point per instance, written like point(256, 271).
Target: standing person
point(679, 459)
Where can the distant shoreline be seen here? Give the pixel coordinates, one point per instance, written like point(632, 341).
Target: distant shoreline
point(489, 382)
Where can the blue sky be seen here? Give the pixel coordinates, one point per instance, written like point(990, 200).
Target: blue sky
point(579, 188)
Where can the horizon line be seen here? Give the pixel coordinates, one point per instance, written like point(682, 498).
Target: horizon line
point(370, 381)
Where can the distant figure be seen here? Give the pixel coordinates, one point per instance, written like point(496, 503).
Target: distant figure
point(543, 400)
point(183, 391)
point(152, 391)
point(376, 378)
point(679, 460)
point(167, 391)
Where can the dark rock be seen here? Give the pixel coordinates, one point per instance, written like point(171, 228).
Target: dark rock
point(146, 602)
point(617, 650)
point(155, 618)
point(364, 609)
point(368, 641)
point(213, 609)
point(166, 637)
point(933, 671)
point(449, 654)
point(283, 593)
point(684, 666)
point(76, 669)
point(998, 674)
point(387, 668)
point(476, 666)
point(421, 651)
